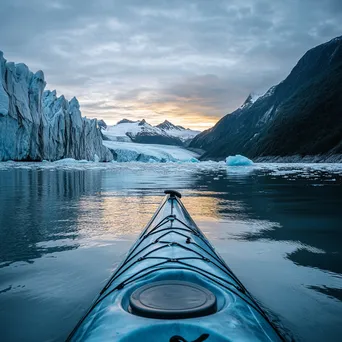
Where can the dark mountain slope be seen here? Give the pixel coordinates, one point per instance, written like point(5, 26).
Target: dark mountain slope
point(301, 115)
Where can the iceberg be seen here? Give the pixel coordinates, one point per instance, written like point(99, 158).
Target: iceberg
point(238, 160)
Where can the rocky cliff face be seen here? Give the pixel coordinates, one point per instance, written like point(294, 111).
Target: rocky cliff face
point(302, 115)
point(36, 125)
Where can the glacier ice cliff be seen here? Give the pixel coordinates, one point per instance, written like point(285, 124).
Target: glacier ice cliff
point(37, 125)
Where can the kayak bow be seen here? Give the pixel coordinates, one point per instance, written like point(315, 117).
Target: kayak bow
point(173, 286)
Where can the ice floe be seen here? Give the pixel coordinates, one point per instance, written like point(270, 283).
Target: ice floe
point(238, 160)
point(316, 174)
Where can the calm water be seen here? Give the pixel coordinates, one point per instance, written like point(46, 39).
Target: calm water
point(64, 229)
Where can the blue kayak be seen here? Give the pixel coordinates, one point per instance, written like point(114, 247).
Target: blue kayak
point(173, 287)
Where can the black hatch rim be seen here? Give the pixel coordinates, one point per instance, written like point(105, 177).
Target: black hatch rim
point(172, 300)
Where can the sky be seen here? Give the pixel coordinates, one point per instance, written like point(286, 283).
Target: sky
point(188, 61)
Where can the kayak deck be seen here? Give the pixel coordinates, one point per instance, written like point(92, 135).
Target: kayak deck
point(172, 284)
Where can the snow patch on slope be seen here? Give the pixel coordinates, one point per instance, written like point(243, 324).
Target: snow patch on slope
point(265, 117)
point(185, 134)
point(254, 97)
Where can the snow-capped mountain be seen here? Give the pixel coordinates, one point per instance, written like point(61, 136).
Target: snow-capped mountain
point(184, 134)
point(167, 125)
point(142, 132)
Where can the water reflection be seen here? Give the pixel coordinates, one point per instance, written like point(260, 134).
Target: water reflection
point(120, 215)
point(36, 207)
point(294, 227)
point(63, 229)
point(297, 212)
point(331, 292)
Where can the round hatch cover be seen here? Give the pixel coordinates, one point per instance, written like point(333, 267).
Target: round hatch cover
point(172, 299)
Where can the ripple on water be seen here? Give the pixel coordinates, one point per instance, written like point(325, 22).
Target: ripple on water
point(62, 233)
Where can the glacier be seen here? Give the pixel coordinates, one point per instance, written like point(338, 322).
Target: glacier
point(129, 151)
point(238, 160)
point(37, 125)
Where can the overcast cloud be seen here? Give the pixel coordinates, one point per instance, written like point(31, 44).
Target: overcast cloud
point(187, 61)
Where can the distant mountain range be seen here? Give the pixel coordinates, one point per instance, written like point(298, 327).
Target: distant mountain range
point(302, 115)
point(142, 132)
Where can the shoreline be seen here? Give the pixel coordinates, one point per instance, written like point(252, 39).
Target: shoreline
point(295, 159)
point(324, 158)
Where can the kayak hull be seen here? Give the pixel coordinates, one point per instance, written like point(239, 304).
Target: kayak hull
point(173, 249)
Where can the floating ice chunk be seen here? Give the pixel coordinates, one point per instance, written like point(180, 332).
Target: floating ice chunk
point(69, 161)
point(66, 161)
point(192, 160)
point(151, 160)
point(238, 160)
